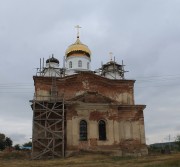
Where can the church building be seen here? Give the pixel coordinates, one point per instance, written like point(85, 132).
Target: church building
point(76, 108)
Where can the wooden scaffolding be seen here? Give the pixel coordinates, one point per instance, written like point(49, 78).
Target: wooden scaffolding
point(48, 129)
point(48, 137)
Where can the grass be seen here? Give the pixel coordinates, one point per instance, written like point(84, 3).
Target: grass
point(20, 159)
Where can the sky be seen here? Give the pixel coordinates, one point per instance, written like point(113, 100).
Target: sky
point(144, 34)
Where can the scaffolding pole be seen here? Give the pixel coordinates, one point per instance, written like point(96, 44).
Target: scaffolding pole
point(48, 128)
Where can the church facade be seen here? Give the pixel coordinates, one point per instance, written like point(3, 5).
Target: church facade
point(75, 108)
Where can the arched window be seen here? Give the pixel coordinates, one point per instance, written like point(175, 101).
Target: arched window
point(83, 130)
point(87, 65)
point(79, 63)
point(70, 64)
point(102, 130)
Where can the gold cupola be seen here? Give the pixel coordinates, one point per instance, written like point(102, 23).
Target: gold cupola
point(78, 48)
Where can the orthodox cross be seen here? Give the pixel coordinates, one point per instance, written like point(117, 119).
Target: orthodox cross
point(110, 54)
point(78, 27)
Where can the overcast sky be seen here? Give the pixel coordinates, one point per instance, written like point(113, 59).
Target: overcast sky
point(145, 34)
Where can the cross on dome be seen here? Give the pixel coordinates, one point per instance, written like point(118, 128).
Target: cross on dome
point(110, 54)
point(77, 27)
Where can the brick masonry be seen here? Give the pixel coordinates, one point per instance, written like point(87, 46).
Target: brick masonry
point(93, 98)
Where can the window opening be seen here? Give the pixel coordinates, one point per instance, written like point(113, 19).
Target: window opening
point(70, 64)
point(83, 130)
point(87, 65)
point(79, 63)
point(102, 130)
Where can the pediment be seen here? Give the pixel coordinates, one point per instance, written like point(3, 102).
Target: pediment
point(92, 97)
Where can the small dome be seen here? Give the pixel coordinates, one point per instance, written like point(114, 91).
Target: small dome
point(111, 63)
point(52, 60)
point(78, 47)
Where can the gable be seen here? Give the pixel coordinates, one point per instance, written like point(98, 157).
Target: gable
point(92, 97)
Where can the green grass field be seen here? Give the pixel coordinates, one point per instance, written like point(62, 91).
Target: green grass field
point(91, 160)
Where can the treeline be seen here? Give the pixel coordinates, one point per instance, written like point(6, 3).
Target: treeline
point(25, 146)
point(5, 142)
point(166, 147)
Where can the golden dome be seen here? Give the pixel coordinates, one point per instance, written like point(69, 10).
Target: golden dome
point(78, 47)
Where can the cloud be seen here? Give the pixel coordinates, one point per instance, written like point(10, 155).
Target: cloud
point(18, 129)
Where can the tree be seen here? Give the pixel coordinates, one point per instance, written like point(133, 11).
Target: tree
point(178, 141)
point(2, 145)
point(17, 147)
point(2, 141)
point(5, 141)
point(2, 136)
point(8, 142)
